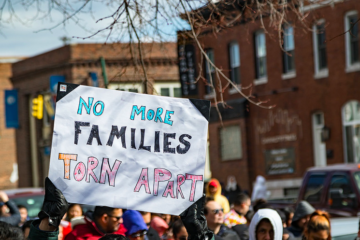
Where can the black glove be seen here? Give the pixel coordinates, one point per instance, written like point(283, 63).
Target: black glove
point(55, 204)
point(194, 221)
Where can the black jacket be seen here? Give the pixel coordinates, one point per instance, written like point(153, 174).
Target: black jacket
point(226, 233)
point(242, 231)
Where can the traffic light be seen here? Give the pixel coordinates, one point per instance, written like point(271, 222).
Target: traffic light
point(37, 107)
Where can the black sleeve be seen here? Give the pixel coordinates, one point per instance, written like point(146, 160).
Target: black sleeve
point(14, 219)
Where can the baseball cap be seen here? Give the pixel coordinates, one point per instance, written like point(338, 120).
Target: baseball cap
point(213, 183)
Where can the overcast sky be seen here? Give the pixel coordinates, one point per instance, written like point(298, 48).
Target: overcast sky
point(18, 39)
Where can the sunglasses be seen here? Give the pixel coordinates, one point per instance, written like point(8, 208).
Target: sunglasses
point(216, 211)
point(117, 218)
point(139, 234)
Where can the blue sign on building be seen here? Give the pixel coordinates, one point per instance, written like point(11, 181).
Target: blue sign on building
point(94, 78)
point(54, 80)
point(11, 109)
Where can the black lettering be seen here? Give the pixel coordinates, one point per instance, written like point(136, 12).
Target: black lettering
point(157, 141)
point(133, 138)
point(115, 132)
point(186, 143)
point(167, 148)
point(94, 134)
point(147, 148)
point(78, 131)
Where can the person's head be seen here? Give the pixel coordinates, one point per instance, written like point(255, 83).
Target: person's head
point(302, 214)
point(213, 186)
point(242, 203)
point(318, 226)
point(289, 214)
point(74, 210)
point(8, 232)
point(113, 237)
point(214, 214)
point(108, 219)
point(146, 216)
point(166, 217)
point(26, 228)
point(135, 225)
point(179, 230)
point(258, 203)
point(266, 225)
point(282, 216)
point(23, 213)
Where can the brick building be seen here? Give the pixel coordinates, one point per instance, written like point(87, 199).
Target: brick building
point(8, 170)
point(74, 63)
point(315, 89)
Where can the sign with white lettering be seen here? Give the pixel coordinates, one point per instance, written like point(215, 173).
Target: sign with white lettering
point(128, 150)
point(280, 161)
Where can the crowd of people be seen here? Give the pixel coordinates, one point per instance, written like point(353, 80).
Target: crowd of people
point(214, 217)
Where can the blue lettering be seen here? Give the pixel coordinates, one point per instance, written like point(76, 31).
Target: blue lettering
point(150, 114)
point(167, 117)
point(136, 110)
point(101, 110)
point(159, 111)
point(83, 103)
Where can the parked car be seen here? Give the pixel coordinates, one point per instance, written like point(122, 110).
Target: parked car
point(32, 199)
point(333, 188)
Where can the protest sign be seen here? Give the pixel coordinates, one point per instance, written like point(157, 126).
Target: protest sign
point(128, 150)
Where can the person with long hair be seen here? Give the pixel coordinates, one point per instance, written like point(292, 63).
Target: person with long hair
point(318, 227)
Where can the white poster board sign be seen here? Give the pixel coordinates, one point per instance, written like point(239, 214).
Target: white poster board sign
point(128, 150)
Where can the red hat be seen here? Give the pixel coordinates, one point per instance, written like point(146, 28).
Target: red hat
point(213, 183)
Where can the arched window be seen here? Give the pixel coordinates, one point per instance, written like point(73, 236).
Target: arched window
point(351, 125)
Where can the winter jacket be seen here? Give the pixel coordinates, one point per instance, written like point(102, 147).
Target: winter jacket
point(274, 219)
point(218, 197)
point(15, 218)
point(89, 230)
point(226, 233)
point(37, 234)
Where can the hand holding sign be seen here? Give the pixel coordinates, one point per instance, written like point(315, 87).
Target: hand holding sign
point(127, 150)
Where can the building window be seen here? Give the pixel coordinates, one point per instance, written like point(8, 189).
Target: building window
point(231, 148)
point(165, 92)
point(129, 87)
point(289, 47)
point(319, 39)
point(260, 50)
point(209, 72)
point(234, 62)
point(168, 89)
point(351, 128)
point(352, 40)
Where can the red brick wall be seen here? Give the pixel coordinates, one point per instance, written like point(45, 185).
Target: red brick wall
point(7, 136)
point(327, 94)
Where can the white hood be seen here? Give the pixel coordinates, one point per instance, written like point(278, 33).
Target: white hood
point(259, 190)
point(274, 218)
